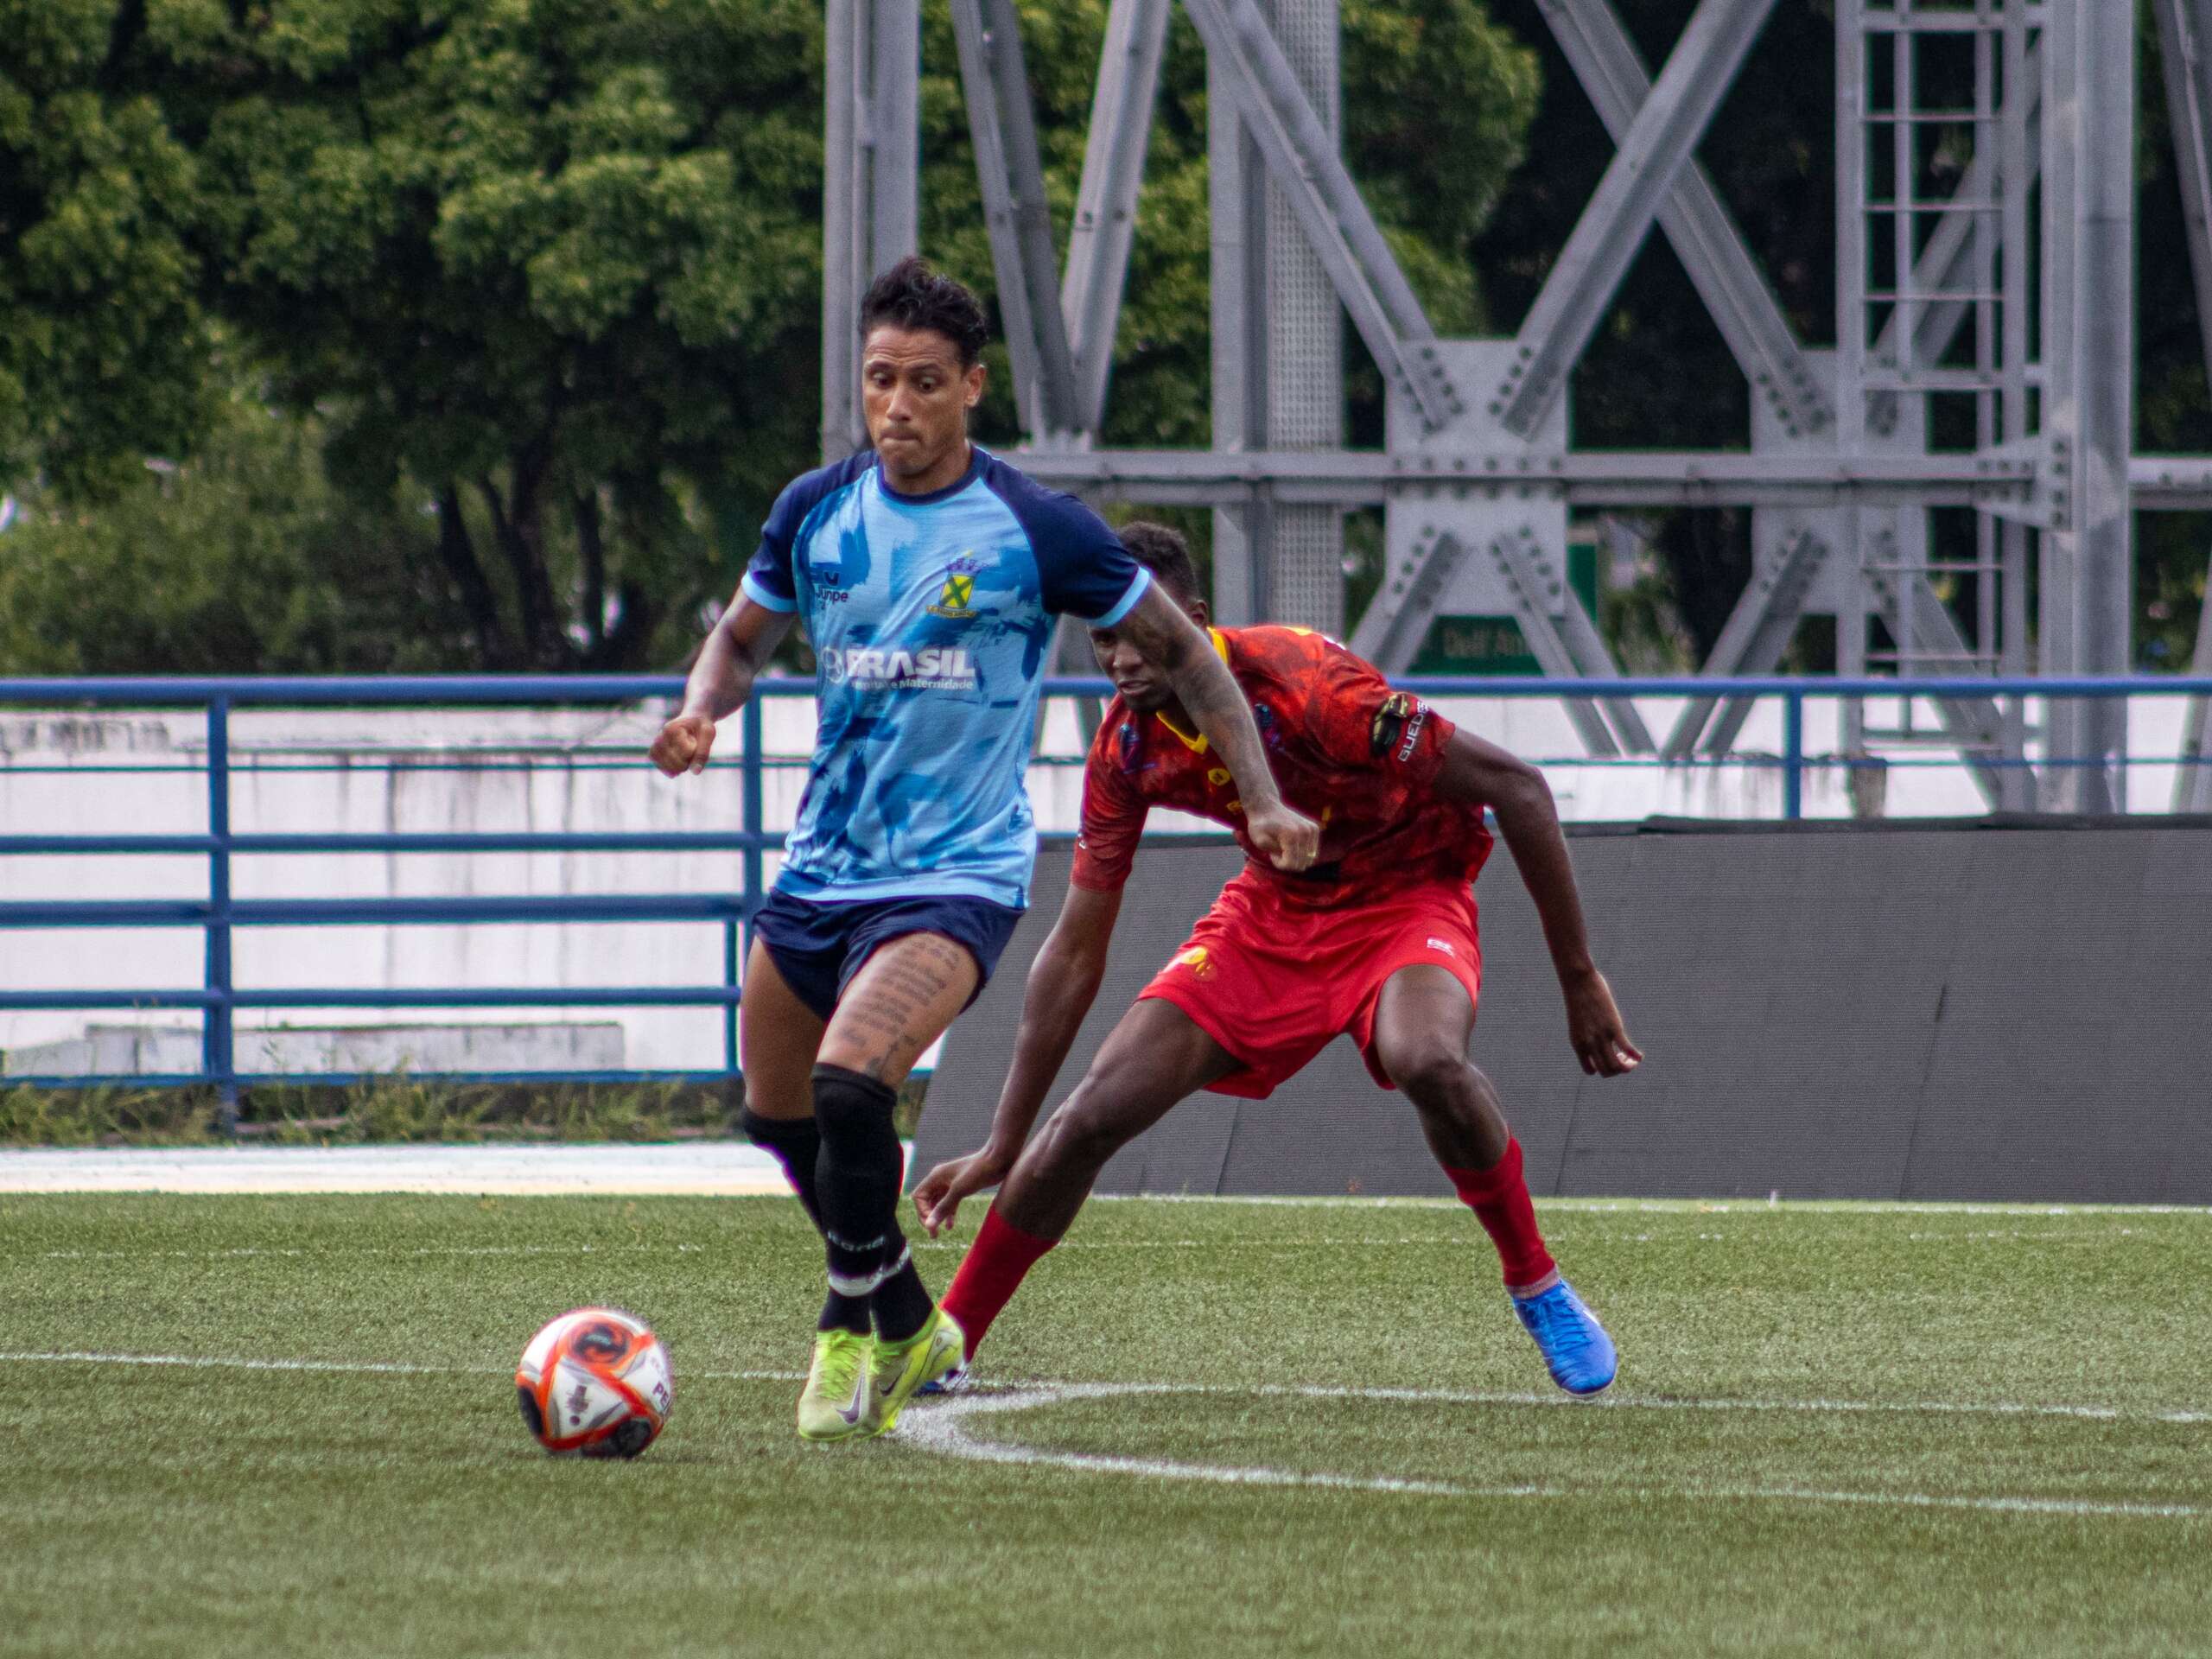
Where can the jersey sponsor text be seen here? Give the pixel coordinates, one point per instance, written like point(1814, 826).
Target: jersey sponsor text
point(934, 668)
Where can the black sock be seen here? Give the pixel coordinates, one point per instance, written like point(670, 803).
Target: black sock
point(797, 1144)
point(902, 1302)
point(858, 1183)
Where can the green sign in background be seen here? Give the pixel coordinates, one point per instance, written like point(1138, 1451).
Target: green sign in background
point(1494, 644)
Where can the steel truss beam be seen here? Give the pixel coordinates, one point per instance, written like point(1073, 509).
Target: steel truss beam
point(871, 150)
point(1003, 129)
point(1975, 725)
point(1571, 646)
point(1567, 648)
point(2185, 43)
point(1106, 203)
point(1588, 478)
point(1301, 158)
point(1757, 631)
point(1760, 626)
point(1635, 186)
point(2087, 586)
point(1727, 278)
point(2193, 784)
point(2073, 480)
point(1946, 264)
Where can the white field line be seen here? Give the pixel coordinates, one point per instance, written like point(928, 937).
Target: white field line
point(940, 1427)
point(943, 1428)
point(1609, 1402)
point(1612, 1402)
point(1676, 1206)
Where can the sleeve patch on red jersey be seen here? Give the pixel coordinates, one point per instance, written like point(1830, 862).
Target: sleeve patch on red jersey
point(1396, 727)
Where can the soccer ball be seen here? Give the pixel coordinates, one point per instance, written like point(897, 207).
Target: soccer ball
point(595, 1383)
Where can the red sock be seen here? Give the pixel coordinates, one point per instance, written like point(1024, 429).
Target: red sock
point(1499, 1198)
point(993, 1270)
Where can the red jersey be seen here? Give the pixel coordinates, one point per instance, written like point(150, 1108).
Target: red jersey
point(1357, 758)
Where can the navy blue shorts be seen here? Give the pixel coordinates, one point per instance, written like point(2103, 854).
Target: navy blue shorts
point(819, 947)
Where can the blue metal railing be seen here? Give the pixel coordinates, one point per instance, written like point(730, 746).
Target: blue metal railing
point(220, 912)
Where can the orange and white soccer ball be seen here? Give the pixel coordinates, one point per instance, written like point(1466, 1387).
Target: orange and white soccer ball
point(595, 1383)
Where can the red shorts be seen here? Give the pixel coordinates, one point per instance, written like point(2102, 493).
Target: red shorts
point(1275, 985)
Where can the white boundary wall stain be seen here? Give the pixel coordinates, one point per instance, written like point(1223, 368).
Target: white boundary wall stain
point(445, 770)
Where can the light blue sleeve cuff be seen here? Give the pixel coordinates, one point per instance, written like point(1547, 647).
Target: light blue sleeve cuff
point(759, 595)
point(1128, 601)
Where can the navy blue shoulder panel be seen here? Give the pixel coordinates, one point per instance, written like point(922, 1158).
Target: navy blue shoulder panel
point(1081, 567)
point(768, 577)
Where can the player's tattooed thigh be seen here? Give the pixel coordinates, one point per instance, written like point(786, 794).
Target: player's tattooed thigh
point(891, 1018)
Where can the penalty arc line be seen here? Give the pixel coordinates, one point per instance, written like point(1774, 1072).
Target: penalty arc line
point(943, 1428)
point(940, 1427)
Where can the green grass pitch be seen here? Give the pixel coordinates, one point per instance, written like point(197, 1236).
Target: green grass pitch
point(1834, 1434)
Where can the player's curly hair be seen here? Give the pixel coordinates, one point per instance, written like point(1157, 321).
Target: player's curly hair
point(1166, 554)
point(911, 295)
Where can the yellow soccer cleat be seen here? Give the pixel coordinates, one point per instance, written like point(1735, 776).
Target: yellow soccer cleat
point(902, 1369)
point(835, 1404)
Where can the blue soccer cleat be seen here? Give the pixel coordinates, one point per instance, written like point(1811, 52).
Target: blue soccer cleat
point(952, 1382)
point(1576, 1349)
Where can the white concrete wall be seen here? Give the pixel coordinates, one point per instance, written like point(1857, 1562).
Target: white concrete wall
point(455, 770)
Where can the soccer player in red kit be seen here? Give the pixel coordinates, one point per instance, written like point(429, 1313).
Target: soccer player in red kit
point(1377, 939)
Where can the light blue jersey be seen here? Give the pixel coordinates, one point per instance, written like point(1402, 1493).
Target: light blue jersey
point(931, 617)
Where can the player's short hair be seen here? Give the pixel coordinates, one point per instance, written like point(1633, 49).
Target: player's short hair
point(912, 296)
point(1164, 552)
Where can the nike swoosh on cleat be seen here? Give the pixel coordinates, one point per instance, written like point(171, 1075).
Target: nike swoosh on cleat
point(852, 1414)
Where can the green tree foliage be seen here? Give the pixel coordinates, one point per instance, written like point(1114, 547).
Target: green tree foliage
point(242, 555)
point(103, 341)
point(551, 268)
point(552, 264)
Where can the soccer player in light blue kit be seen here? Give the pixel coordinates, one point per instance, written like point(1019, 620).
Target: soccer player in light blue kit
point(929, 573)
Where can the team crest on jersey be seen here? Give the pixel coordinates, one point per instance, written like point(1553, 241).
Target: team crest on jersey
point(953, 600)
point(1196, 960)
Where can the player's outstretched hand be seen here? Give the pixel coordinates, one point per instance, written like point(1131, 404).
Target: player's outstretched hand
point(936, 1200)
point(1291, 839)
point(684, 744)
point(1594, 1026)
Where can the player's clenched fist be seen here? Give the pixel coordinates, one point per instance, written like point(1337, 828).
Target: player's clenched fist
point(684, 744)
point(1291, 839)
